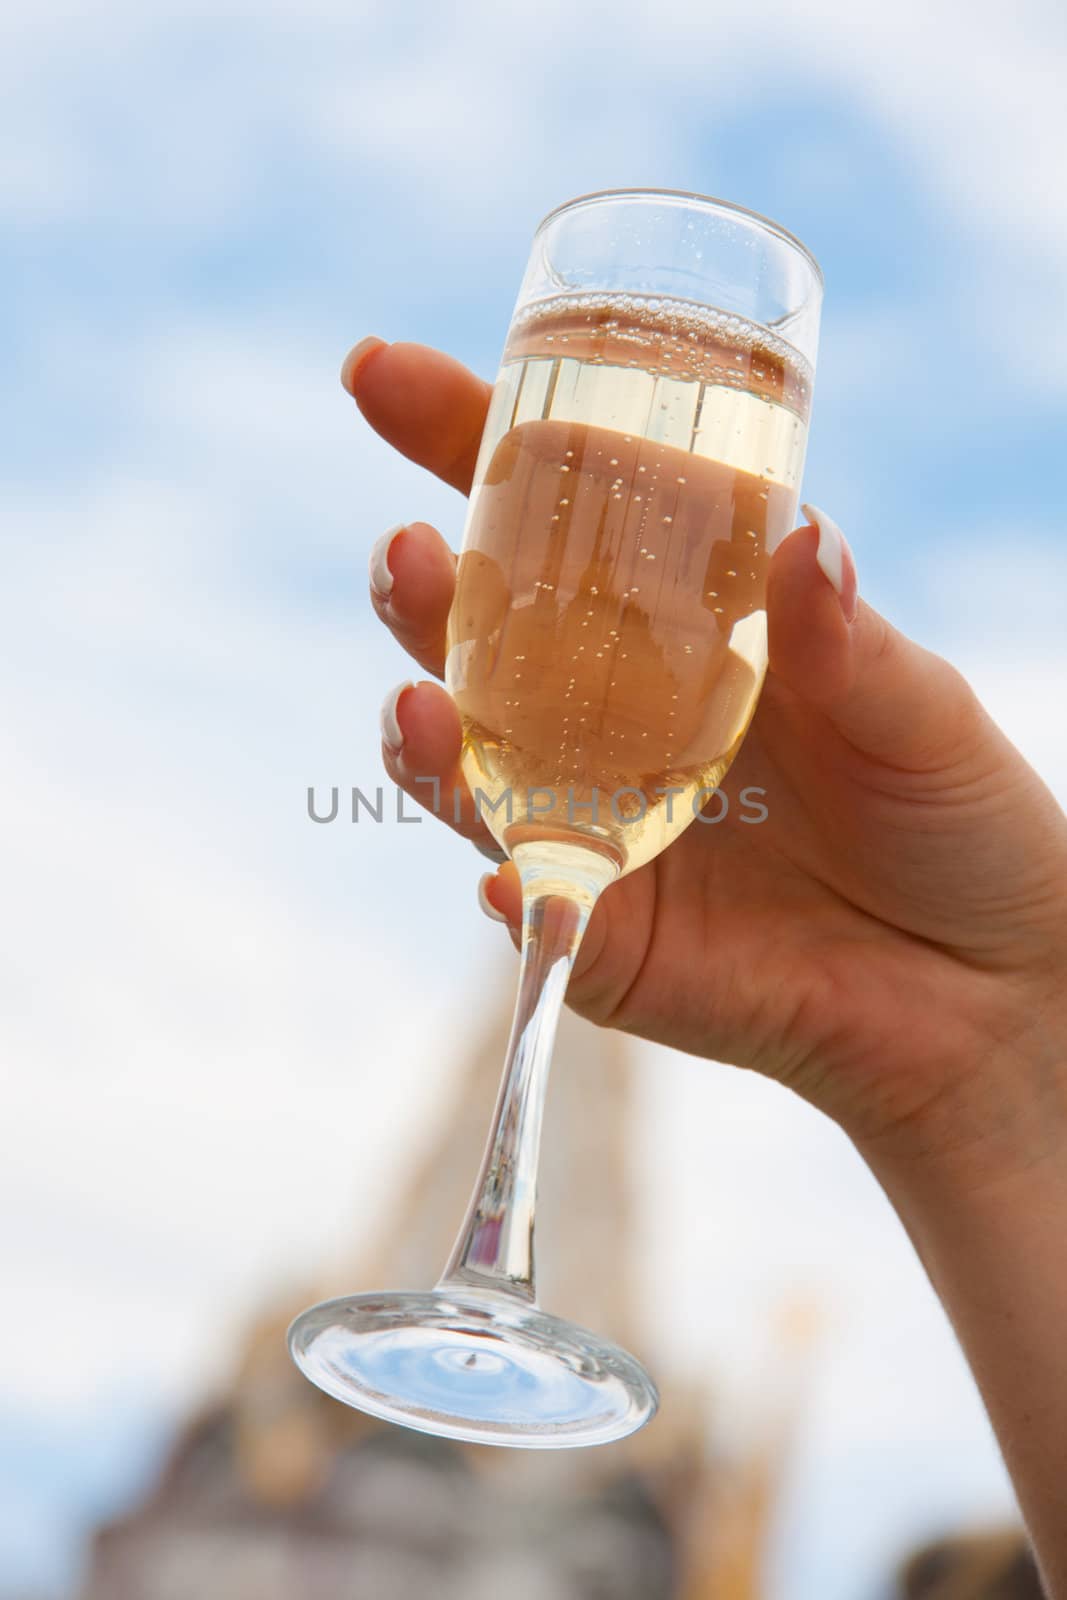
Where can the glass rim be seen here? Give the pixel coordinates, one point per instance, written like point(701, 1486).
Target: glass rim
point(709, 200)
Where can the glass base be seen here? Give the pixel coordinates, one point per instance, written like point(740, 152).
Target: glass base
point(473, 1364)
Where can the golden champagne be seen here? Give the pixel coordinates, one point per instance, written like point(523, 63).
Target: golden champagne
point(608, 638)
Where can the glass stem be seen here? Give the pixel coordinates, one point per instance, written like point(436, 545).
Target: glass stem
point(494, 1250)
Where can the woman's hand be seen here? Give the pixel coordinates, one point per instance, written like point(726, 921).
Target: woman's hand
point(890, 941)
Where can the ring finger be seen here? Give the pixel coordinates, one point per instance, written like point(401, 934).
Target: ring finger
point(421, 743)
point(412, 581)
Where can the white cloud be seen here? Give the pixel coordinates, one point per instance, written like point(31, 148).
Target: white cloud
point(210, 1051)
point(993, 603)
point(477, 115)
point(208, 1075)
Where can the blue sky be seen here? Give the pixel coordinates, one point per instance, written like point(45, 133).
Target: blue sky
point(200, 209)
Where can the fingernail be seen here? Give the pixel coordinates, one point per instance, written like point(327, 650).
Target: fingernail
point(381, 579)
point(392, 732)
point(355, 359)
point(835, 560)
point(484, 901)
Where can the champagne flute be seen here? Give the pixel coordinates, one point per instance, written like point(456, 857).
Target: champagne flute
point(606, 646)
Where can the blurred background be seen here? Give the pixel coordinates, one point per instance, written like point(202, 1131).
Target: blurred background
point(236, 1046)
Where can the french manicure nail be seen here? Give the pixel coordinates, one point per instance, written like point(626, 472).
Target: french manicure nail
point(381, 579)
point(355, 359)
point(392, 732)
point(835, 559)
point(484, 901)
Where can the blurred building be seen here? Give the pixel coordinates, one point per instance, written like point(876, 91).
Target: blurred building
point(277, 1492)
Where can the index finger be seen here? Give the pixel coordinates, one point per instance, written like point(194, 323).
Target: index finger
point(425, 404)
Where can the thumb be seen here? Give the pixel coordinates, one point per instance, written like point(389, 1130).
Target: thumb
point(885, 694)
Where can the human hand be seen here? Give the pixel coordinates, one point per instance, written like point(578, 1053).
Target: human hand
point(889, 942)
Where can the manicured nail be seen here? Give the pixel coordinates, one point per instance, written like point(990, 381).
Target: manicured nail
point(355, 359)
point(835, 560)
point(392, 732)
point(381, 579)
point(484, 901)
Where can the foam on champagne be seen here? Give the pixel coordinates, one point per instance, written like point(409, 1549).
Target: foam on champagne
point(607, 642)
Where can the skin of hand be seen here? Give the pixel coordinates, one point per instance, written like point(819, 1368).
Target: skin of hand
point(890, 942)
